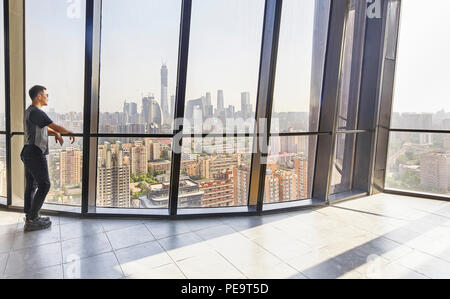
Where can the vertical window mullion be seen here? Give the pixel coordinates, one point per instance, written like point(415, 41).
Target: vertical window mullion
point(180, 100)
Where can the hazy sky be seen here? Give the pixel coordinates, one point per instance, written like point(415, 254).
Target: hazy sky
point(138, 35)
point(423, 77)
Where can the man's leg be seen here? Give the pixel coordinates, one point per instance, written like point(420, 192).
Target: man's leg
point(38, 168)
point(30, 191)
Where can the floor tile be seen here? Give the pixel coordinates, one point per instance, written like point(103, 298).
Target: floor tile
point(116, 224)
point(36, 238)
point(283, 246)
point(84, 247)
point(104, 266)
point(164, 229)
point(141, 258)
point(170, 271)
point(198, 224)
point(392, 271)
point(76, 229)
point(3, 260)
point(54, 272)
point(35, 258)
point(8, 228)
point(209, 266)
point(6, 242)
point(427, 265)
point(184, 246)
point(129, 236)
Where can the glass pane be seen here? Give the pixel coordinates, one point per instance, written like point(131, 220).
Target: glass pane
point(55, 45)
point(289, 171)
point(342, 175)
point(419, 162)
point(139, 65)
point(3, 169)
point(301, 59)
point(133, 172)
point(215, 172)
point(2, 72)
point(223, 67)
point(65, 166)
point(421, 98)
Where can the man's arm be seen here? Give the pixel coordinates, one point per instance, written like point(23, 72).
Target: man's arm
point(61, 130)
point(52, 132)
point(58, 137)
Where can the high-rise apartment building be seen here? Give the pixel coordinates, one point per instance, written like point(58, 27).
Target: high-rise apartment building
point(301, 170)
point(435, 171)
point(153, 149)
point(70, 167)
point(138, 158)
point(241, 177)
point(211, 167)
point(113, 177)
point(218, 192)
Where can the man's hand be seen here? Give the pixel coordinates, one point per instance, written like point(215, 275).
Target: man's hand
point(58, 138)
point(72, 138)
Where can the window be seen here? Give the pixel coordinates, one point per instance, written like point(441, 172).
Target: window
point(139, 59)
point(288, 177)
point(65, 165)
point(223, 68)
point(300, 63)
point(342, 174)
point(3, 166)
point(133, 172)
point(348, 101)
point(2, 72)
point(215, 172)
point(55, 54)
point(421, 98)
point(419, 162)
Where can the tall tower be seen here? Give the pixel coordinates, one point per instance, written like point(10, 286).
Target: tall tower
point(246, 107)
point(164, 93)
point(220, 102)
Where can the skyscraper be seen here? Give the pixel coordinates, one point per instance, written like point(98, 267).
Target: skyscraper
point(138, 158)
point(246, 107)
point(435, 171)
point(151, 113)
point(220, 102)
point(70, 167)
point(113, 179)
point(208, 108)
point(164, 93)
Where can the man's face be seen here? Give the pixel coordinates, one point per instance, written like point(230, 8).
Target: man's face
point(43, 98)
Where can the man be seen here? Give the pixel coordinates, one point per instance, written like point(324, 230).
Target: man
point(38, 126)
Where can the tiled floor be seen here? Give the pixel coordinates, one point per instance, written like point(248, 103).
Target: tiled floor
point(384, 236)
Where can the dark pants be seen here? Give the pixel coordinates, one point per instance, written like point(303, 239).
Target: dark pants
point(37, 180)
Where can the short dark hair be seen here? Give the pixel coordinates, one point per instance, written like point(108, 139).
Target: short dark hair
point(35, 91)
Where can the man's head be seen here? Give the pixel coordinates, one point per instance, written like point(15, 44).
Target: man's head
point(39, 95)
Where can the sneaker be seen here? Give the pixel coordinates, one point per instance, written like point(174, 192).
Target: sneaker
point(37, 224)
point(47, 219)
